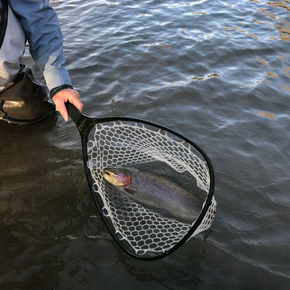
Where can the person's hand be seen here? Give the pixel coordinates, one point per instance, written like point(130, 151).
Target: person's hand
point(66, 95)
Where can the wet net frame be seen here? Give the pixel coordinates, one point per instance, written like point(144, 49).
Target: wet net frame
point(130, 224)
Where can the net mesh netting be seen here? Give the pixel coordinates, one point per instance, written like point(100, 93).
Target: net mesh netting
point(123, 144)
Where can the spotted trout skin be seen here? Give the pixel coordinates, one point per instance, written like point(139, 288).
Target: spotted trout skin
point(156, 192)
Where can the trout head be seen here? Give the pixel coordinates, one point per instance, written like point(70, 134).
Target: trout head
point(117, 177)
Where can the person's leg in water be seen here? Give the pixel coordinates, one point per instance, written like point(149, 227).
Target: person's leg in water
point(22, 99)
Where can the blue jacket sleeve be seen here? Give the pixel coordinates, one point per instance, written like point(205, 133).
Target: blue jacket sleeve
point(40, 24)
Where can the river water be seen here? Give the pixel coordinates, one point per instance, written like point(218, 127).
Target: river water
point(218, 72)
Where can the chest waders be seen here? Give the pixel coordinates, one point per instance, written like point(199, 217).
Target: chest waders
point(22, 99)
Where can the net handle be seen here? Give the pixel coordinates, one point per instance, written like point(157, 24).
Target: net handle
point(82, 122)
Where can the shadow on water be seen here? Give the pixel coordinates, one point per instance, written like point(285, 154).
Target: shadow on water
point(42, 201)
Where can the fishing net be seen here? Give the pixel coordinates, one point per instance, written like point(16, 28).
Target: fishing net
point(126, 144)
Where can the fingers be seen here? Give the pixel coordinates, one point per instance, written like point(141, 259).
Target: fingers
point(60, 106)
point(66, 95)
point(75, 100)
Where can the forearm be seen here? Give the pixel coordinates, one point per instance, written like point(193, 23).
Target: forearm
point(41, 27)
point(40, 24)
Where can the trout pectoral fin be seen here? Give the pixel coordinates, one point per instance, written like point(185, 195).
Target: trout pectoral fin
point(130, 190)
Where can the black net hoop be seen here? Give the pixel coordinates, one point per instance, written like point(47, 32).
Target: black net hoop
point(132, 144)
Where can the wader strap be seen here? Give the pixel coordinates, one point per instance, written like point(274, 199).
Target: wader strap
point(3, 21)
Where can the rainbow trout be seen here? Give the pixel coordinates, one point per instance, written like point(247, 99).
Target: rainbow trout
point(156, 192)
